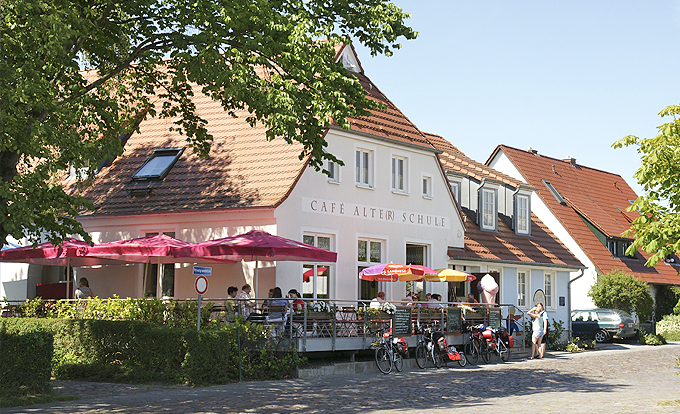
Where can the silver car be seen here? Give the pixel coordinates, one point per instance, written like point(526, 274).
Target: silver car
point(602, 324)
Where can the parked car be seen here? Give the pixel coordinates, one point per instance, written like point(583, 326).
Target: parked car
point(602, 324)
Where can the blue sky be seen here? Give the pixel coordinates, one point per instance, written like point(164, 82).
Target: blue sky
point(566, 78)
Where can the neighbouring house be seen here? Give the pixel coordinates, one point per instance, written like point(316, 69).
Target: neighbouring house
point(586, 209)
point(390, 202)
point(503, 237)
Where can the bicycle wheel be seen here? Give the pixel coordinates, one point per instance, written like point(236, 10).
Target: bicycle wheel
point(421, 355)
point(398, 361)
point(463, 359)
point(486, 352)
point(383, 360)
point(437, 356)
point(472, 351)
point(504, 351)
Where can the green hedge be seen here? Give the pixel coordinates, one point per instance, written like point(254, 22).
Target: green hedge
point(25, 362)
point(140, 352)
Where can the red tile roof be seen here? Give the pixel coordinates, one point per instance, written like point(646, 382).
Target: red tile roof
point(598, 196)
point(243, 169)
point(505, 246)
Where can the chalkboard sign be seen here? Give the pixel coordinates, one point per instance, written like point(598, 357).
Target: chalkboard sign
point(402, 321)
point(454, 320)
point(495, 318)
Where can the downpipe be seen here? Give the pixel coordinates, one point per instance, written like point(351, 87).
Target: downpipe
point(569, 299)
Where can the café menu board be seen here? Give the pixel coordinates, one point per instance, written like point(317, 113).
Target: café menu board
point(495, 318)
point(454, 319)
point(402, 321)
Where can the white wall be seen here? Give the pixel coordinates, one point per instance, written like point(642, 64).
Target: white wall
point(347, 205)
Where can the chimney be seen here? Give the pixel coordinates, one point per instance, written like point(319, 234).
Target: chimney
point(570, 160)
point(531, 150)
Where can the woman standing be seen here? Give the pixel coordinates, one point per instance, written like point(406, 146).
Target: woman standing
point(538, 329)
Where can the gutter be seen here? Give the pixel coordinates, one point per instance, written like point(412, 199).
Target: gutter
point(569, 299)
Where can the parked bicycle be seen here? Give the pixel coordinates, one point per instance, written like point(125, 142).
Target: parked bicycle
point(498, 342)
point(476, 344)
point(426, 350)
point(387, 353)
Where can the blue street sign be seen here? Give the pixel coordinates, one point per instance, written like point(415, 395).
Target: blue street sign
point(202, 271)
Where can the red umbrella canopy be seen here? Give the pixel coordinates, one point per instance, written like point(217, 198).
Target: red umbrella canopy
point(139, 249)
point(320, 271)
point(71, 251)
point(257, 245)
point(392, 272)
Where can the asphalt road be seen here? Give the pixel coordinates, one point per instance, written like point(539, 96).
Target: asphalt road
point(619, 378)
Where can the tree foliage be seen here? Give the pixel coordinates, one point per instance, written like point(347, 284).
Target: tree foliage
point(657, 229)
point(273, 58)
point(623, 291)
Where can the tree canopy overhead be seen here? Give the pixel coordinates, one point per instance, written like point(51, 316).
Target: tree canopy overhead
point(272, 58)
point(657, 229)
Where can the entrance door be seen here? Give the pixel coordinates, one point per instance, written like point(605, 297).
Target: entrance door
point(416, 255)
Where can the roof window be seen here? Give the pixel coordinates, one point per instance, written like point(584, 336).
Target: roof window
point(555, 193)
point(158, 165)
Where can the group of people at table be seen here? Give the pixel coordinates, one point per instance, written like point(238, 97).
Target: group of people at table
point(274, 307)
point(432, 300)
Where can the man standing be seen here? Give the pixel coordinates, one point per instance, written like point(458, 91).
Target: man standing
point(245, 304)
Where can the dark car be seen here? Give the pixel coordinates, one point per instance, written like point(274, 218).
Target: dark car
point(602, 324)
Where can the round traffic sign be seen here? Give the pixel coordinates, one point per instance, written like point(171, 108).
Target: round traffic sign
point(201, 285)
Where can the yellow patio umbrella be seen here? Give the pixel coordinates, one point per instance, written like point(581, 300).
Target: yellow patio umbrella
point(449, 275)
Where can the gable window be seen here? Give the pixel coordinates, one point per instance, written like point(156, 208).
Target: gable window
point(455, 189)
point(158, 165)
point(333, 172)
point(399, 165)
point(487, 210)
point(316, 277)
point(548, 286)
point(522, 215)
point(617, 247)
point(427, 187)
point(364, 163)
point(522, 289)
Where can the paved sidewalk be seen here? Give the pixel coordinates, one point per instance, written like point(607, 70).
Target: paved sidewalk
point(620, 378)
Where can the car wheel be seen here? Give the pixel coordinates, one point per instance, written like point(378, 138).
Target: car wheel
point(601, 336)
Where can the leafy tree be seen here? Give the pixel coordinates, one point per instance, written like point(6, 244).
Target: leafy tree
point(620, 290)
point(265, 56)
point(665, 300)
point(657, 229)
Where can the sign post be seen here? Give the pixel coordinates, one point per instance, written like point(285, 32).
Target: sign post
point(201, 287)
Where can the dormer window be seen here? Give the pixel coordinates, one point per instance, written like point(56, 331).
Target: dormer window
point(617, 247)
point(158, 165)
point(487, 209)
point(522, 214)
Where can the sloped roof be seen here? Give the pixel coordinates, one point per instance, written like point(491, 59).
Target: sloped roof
point(243, 169)
point(599, 197)
point(541, 247)
point(504, 246)
point(453, 160)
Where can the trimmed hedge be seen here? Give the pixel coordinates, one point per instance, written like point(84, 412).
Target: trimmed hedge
point(25, 362)
point(140, 352)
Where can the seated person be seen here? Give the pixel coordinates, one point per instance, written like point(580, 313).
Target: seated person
point(378, 300)
point(277, 305)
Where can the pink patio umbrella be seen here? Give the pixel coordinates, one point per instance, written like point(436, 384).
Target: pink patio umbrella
point(69, 253)
point(309, 273)
point(257, 245)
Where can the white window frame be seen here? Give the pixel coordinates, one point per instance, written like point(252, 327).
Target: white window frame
point(523, 288)
point(399, 174)
point(329, 266)
point(364, 161)
point(483, 209)
point(549, 289)
point(455, 189)
point(427, 186)
point(334, 170)
point(522, 221)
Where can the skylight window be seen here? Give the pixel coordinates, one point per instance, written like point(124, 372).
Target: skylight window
point(159, 164)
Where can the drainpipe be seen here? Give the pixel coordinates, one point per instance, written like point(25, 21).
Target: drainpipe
point(569, 299)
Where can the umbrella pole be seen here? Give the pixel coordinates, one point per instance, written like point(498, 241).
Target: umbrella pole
point(257, 267)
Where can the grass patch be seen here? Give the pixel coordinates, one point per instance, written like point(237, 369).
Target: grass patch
point(7, 401)
point(674, 403)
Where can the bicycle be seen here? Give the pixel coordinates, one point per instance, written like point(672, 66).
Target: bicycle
point(475, 347)
point(496, 343)
point(387, 355)
point(427, 349)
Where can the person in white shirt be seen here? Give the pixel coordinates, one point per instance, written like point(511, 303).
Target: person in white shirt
point(378, 300)
point(244, 303)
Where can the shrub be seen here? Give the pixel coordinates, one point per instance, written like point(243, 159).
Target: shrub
point(575, 345)
point(669, 324)
point(651, 339)
point(623, 291)
point(665, 301)
point(25, 361)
